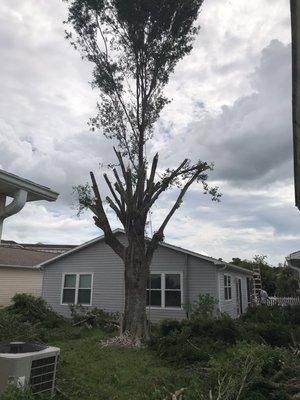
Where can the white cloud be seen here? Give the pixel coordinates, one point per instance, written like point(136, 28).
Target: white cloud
point(231, 105)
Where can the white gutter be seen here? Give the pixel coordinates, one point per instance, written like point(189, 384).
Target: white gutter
point(21, 191)
point(12, 208)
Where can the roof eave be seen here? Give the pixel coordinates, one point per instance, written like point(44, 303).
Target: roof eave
point(12, 183)
point(34, 267)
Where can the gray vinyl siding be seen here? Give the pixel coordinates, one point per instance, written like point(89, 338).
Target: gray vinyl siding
point(199, 276)
point(107, 269)
point(108, 278)
point(167, 260)
point(230, 306)
point(202, 278)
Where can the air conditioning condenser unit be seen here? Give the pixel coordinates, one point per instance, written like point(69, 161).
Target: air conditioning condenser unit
point(28, 364)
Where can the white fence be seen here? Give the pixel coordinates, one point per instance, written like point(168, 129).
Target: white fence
point(283, 301)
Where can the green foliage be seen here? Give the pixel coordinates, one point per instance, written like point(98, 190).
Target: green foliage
point(90, 371)
point(131, 42)
point(95, 318)
point(12, 393)
point(34, 310)
point(193, 340)
point(272, 325)
point(203, 308)
point(200, 339)
point(247, 371)
point(289, 315)
point(286, 284)
point(13, 327)
point(277, 281)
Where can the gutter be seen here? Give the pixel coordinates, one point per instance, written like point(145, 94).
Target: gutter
point(34, 267)
point(223, 265)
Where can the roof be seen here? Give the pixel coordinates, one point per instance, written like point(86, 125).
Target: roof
point(293, 260)
point(216, 262)
point(295, 18)
point(52, 248)
point(296, 254)
point(10, 184)
point(22, 258)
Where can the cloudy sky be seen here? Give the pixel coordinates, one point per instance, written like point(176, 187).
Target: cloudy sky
point(231, 105)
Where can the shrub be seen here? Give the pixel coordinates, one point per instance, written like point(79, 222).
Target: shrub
point(13, 393)
point(247, 371)
point(13, 327)
point(193, 340)
point(203, 308)
point(95, 318)
point(276, 326)
point(167, 326)
point(34, 309)
point(282, 315)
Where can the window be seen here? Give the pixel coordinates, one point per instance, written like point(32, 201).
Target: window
point(154, 290)
point(164, 290)
point(249, 290)
point(77, 289)
point(227, 287)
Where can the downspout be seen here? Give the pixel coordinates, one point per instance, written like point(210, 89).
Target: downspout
point(218, 285)
point(14, 207)
point(186, 286)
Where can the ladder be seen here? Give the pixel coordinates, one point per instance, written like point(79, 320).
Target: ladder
point(256, 281)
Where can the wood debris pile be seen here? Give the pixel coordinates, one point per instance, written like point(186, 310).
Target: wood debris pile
point(123, 340)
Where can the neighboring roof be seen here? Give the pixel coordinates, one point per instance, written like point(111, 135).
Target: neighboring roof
point(296, 254)
point(216, 262)
point(10, 184)
point(49, 248)
point(295, 18)
point(22, 258)
point(293, 260)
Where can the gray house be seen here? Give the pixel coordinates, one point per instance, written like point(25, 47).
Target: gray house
point(93, 275)
point(293, 262)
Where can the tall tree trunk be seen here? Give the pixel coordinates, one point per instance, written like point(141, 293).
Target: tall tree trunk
point(136, 275)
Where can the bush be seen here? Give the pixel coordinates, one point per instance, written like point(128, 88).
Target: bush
point(95, 318)
point(193, 340)
point(203, 308)
point(13, 327)
point(247, 371)
point(282, 315)
point(34, 310)
point(270, 325)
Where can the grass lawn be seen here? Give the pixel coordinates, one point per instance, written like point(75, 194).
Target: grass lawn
point(89, 371)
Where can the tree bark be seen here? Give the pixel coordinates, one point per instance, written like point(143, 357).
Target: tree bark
point(136, 275)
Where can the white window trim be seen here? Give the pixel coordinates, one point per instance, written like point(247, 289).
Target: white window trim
point(76, 288)
point(228, 275)
point(163, 288)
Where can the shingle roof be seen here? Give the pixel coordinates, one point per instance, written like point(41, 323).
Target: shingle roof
point(16, 257)
point(52, 248)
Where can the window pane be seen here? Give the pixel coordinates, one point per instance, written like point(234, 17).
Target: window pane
point(172, 281)
point(155, 281)
point(84, 296)
point(69, 296)
point(172, 298)
point(225, 280)
point(229, 293)
point(70, 281)
point(154, 298)
point(226, 293)
point(85, 281)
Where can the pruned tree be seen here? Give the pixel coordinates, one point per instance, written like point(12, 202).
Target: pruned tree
point(134, 46)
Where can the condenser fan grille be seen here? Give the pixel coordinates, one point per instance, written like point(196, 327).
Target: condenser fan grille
point(42, 374)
